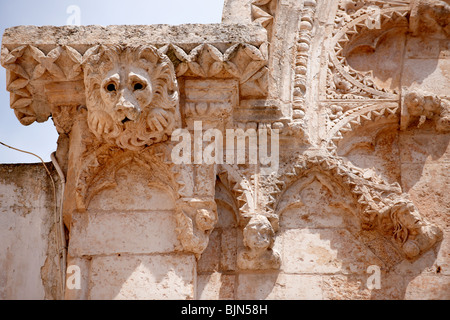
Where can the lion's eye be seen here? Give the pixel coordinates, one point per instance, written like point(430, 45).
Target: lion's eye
point(111, 87)
point(138, 86)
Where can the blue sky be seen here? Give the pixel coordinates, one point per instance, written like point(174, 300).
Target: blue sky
point(40, 138)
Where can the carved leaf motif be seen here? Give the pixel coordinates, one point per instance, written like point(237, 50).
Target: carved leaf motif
point(46, 62)
point(77, 58)
point(262, 11)
point(89, 53)
point(193, 63)
point(26, 116)
point(9, 58)
point(22, 92)
point(17, 84)
point(243, 61)
point(38, 71)
point(217, 56)
point(205, 60)
point(178, 57)
point(21, 103)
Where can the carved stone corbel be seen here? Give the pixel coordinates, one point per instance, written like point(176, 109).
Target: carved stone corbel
point(132, 95)
point(419, 106)
point(196, 219)
point(413, 233)
point(258, 229)
point(258, 238)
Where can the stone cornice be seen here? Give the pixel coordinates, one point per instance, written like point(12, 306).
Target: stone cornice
point(158, 35)
point(45, 63)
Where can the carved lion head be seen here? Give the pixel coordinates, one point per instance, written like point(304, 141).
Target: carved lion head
point(131, 95)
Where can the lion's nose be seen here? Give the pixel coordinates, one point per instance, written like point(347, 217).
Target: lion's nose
point(126, 109)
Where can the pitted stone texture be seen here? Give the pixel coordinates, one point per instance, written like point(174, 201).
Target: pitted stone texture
point(133, 277)
point(130, 232)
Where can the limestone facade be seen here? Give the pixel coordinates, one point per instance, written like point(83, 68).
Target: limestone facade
point(344, 197)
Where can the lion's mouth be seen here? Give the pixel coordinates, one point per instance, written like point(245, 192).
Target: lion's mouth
point(125, 120)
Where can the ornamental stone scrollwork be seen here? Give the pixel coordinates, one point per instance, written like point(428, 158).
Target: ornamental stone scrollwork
point(258, 229)
point(31, 71)
point(117, 100)
point(196, 219)
point(243, 61)
point(128, 97)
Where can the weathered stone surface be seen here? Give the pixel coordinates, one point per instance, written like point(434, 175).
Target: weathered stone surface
point(428, 288)
point(160, 202)
point(142, 277)
point(27, 233)
point(129, 35)
point(215, 286)
point(130, 232)
point(325, 251)
point(279, 287)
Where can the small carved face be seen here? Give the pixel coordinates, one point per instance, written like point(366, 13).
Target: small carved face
point(132, 96)
point(206, 219)
point(410, 217)
point(258, 234)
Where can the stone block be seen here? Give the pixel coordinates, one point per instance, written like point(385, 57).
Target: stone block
point(274, 286)
point(430, 75)
point(131, 181)
point(319, 251)
point(256, 286)
point(142, 277)
point(422, 48)
point(428, 287)
point(427, 185)
point(228, 249)
point(129, 232)
point(215, 286)
point(210, 259)
point(420, 146)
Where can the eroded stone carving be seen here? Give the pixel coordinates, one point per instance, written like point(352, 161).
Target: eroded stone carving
point(414, 234)
point(263, 12)
point(341, 123)
point(419, 106)
point(259, 240)
point(131, 95)
point(196, 219)
point(30, 70)
point(430, 16)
